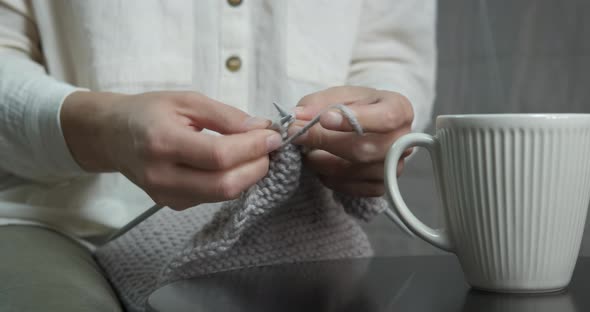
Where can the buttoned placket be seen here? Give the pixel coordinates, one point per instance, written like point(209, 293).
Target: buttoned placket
point(235, 33)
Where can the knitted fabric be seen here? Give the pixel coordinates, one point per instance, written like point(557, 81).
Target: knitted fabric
point(288, 216)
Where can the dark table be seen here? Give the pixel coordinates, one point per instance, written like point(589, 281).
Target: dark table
point(425, 283)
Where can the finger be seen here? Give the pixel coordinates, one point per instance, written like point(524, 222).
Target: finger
point(210, 114)
point(381, 117)
point(400, 167)
point(312, 104)
point(362, 189)
point(367, 148)
point(211, 152)
point(408, 152)
point(330, 165)
point(182, 187)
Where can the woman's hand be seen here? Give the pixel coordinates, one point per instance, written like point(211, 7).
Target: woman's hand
point(345, 161)
point(155, 140)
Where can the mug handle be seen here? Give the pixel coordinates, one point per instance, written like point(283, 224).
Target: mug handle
point(438, 238)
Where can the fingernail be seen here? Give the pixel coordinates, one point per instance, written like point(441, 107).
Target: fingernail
point(273, 142)
point(299, 110)
point(256, 123)
point(332, 119)
point(294, 130)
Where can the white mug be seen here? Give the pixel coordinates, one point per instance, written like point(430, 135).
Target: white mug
point(515, 191)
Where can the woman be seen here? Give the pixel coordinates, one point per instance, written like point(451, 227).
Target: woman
point(102, 104)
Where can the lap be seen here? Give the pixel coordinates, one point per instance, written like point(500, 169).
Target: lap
point(41, 270)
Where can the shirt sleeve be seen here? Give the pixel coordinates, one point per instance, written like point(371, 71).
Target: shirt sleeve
point(396, 51)
point(32, 145)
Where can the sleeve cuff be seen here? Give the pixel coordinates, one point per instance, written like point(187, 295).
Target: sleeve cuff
point(43, 129)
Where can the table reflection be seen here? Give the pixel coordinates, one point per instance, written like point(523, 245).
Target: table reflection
point(478, 301)
point(344, 285)
point(416, 284)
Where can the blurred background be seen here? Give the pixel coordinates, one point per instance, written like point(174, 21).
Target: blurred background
point(501, 56)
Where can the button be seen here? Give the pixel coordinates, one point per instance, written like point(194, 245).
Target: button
point(234, 3)
point(233, 63)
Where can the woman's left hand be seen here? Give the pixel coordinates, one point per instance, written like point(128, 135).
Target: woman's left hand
point(345, 161)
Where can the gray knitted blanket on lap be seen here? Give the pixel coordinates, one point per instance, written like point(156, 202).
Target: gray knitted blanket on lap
point(288, 216)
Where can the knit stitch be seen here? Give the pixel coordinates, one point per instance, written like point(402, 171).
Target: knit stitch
point(288, 216)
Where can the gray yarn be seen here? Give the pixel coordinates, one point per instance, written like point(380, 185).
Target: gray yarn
point(346, 112)
point(288, 216)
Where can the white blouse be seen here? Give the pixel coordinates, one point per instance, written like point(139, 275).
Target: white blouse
point(246, 53)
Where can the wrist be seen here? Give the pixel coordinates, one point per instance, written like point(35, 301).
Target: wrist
point(84, 118)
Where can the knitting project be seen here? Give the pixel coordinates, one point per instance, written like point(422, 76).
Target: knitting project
point(288, 216)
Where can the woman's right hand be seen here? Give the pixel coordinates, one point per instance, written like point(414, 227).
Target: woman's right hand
point(155, 140)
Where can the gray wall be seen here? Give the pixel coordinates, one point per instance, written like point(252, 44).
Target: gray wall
point(497, 56)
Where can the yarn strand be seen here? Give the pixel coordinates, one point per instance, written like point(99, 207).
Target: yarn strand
point(346, 112)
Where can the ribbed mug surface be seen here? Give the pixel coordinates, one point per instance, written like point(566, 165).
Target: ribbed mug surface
point(515, 191)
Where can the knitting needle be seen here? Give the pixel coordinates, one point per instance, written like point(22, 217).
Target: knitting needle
point(284, 118)
point(146, 214)
point(347, 112)
point(282, 111)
